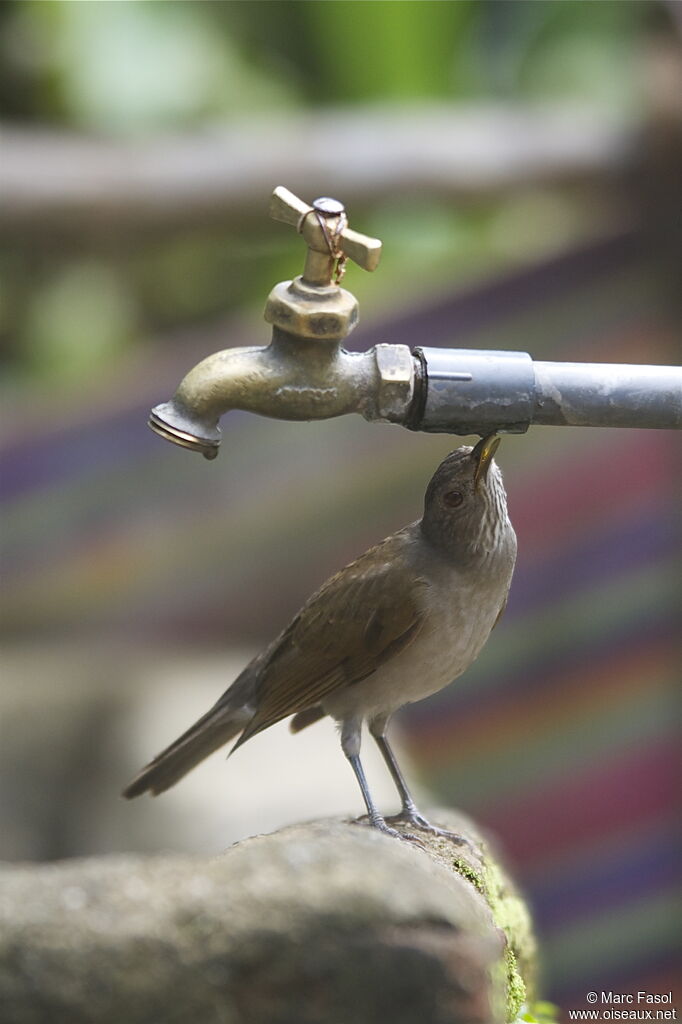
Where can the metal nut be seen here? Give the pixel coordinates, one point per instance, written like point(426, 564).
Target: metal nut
point(396, 381)
point(328, 315)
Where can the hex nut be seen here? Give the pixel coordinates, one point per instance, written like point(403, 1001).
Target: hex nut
point(327, 314)
point(395, 367)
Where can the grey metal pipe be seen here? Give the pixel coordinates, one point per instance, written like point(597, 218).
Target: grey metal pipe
point(608, 395)
point(465, 391)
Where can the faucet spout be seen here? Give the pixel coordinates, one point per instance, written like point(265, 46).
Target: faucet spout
point(292, 378)
point(190, 418)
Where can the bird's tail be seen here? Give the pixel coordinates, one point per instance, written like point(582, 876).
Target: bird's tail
point(224, 721)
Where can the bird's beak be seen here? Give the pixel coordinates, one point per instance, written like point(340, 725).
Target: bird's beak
point(483, 456)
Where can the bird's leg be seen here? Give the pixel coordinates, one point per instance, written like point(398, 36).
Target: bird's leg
point(409, 812)
point(350, 744)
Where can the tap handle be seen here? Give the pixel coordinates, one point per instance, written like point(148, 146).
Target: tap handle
point(329, 239)
point(287, 207)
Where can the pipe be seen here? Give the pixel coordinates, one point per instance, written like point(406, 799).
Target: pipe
point(464, 391)
point(608, 395)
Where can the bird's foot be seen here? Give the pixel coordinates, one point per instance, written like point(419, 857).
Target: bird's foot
point(380, 823)
point(411, 816)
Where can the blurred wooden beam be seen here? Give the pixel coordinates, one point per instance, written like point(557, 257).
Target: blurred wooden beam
point(52, 183)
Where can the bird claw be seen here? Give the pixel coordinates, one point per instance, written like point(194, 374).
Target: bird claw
point(413, 817)
point(380, 824)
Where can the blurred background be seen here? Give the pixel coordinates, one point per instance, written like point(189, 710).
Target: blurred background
point(521, 163)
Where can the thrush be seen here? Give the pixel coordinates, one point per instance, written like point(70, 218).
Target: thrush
point(396, 625)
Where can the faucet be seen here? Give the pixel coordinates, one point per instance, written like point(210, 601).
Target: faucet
point(305, 374)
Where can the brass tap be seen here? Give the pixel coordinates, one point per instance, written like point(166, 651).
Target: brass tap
point(327, 234)
point(304, 373)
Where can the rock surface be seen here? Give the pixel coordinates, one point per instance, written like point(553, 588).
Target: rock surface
point(325, 922)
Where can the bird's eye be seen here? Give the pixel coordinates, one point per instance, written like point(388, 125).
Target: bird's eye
point(453, 498)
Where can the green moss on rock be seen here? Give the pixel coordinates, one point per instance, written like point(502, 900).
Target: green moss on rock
point(511, 916)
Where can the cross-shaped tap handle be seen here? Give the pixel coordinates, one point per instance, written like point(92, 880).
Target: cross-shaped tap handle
point(324, 227)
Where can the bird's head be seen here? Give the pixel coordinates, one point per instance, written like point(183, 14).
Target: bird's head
point(465, 502)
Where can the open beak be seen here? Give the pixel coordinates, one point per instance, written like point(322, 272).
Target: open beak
point(483, 456)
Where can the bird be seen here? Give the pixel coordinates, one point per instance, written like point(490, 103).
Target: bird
point(394, 626)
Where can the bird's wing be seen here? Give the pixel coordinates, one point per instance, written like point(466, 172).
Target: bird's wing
point(356, 622)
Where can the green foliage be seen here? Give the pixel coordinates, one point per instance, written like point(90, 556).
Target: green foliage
point(131, 67)
point(79, 319)
point(540, 1012)
point(384, 50)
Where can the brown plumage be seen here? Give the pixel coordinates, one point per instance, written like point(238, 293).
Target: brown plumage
point(397, 624)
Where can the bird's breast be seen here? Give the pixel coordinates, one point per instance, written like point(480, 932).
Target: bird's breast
point(458, 615)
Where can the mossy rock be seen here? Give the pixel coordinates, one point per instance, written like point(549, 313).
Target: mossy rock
point(321, 923)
